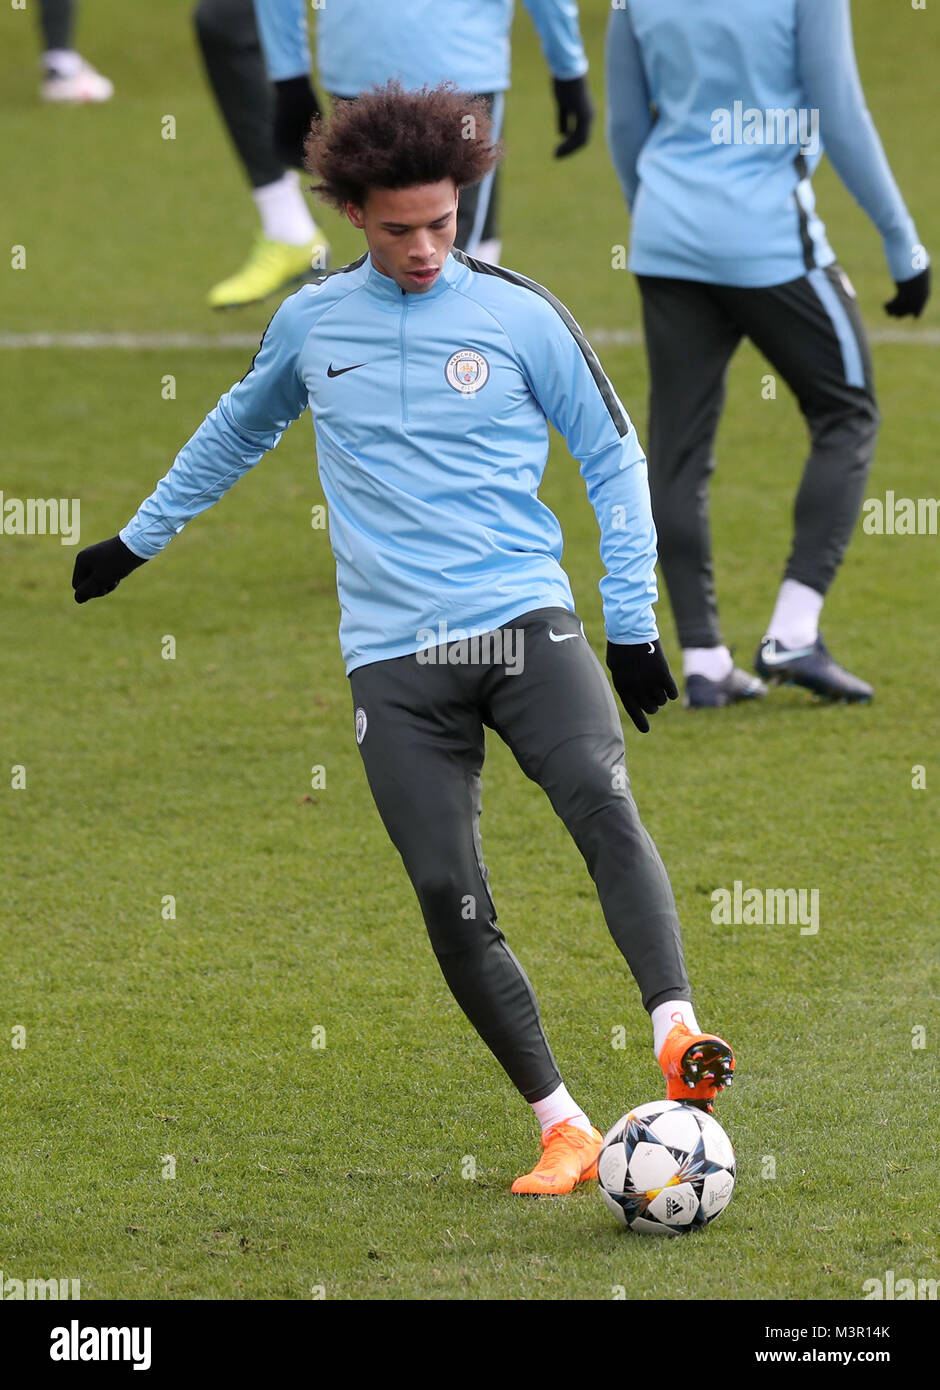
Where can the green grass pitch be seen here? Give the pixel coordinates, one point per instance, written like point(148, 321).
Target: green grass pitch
point(378, 1165)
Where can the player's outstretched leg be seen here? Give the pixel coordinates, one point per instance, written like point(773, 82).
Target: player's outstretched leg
point(421, 739)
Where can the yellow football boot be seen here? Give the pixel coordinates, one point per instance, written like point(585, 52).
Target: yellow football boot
point(273, 266)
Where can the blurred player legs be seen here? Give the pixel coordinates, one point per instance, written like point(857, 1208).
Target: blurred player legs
point(290, 247)
point(66, 76)
point(811, 332)
point(478, 213)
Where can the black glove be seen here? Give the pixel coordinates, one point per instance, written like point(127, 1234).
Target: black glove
point(295, 105)
point(911, 297)
point(575, 113)
point(641, 678)
point(100, 568)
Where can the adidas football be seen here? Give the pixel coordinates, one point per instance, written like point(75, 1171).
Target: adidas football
point(666, 1168)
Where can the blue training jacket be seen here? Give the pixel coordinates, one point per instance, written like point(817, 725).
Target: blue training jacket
point(431, 415)
point(718, 183)
point(365, 43)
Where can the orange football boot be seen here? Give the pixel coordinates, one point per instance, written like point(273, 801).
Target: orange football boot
point(696, 1066)
point(569, 1157)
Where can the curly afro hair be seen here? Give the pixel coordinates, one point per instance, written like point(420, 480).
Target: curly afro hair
point(390, 138)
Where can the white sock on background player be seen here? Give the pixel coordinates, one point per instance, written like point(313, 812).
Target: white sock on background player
point(795, 621)
point(560, 1106)
point(713, 662)
point(489, 251)
point(665, 1017)
point(284, 214)
point(64, 62)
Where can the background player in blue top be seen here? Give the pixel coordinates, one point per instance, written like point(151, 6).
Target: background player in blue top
point(718, 113)
point(364, 43)
point(432, 379)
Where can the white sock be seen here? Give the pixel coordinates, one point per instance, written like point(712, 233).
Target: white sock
point(713, 662)
point(63, 62)
point(795, 620)
point(665, 1016)
point(559, 1106)
point(489, 251)
point(284, 214)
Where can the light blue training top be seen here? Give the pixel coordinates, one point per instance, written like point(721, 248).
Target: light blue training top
point(365, 43)
point(746, 95)
point(431, 414)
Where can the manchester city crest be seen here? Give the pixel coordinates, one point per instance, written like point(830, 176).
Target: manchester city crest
point(361, 723)
point(467, 371)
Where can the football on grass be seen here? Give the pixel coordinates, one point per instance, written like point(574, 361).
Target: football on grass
point(666, 1168)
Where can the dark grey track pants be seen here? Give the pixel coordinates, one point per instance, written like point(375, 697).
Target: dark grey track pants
point(811, 332)
point(234, 63)
point(421, 731)
point(57, 23)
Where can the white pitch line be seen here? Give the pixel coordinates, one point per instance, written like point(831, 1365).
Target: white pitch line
point(207, 342)
point(130, 341)
point(910, 337)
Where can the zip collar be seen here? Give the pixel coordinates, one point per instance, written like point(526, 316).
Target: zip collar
point(388, 290)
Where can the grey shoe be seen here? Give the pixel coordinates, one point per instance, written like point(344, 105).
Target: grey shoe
point(813, 668)
point(702, 693)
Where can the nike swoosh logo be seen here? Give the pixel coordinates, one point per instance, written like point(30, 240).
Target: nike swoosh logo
point(771, 657)
point(563, 636)
point(330, 371)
